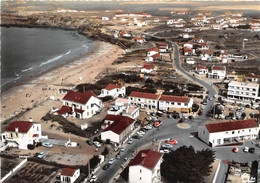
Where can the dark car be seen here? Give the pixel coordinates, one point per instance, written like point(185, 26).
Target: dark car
point(136, 136)
point(251, 150)
point(191, 117)
point(180, 120)
point(89, 142)
point(106, 166)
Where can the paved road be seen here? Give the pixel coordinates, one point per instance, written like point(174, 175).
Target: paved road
point(169, 129)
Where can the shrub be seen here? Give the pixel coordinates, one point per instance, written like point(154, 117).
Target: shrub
point(30, 147)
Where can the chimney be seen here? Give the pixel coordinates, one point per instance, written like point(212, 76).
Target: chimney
point(16, 130)
point(30, 119)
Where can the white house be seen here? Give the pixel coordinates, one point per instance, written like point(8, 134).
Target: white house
point(232, 132)
point(190, 60)
point(145, 100)
point(201, 70)
point(138, 40)
point(206, 56)
point(254, 78)
point(188, 45)
point(204, 47)
point(105, 18)
point(152, 51)
point(170, 103)
point(80, 105)
point(169, 22)
point(69, 175)
point(163, 47)
point(217, 72)
point(147, 68)
point(145, 167)
point(121, 14)
point(188, 51)
point(117, 128)
point(242, 90)
point(22, 133)
point(113, 91)
point(156, 20)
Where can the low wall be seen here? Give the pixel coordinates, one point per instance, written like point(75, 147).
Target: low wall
point(13, 170)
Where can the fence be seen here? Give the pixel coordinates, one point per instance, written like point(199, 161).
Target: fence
point(13, 170)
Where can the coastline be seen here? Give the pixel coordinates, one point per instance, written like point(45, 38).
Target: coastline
point(31, 92)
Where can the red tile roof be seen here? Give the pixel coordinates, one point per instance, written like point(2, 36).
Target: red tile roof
point(201, 67)
point(148, 66)
point(232, 125)
point(187, 50)
point(174, 99)
point(218, 68)
point(155, 56)
point(68, 171)
point(23, 126)
point(152, 49)
point(112, 86)
point(64, 109)
point(120, 123)
point(146, 158)
point(77, 97)
point(138, 38)
point(254, 76)
point(143, 95)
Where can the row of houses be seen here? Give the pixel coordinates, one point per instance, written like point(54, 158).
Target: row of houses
point(216, 72)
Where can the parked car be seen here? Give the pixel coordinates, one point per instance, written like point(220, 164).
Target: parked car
point(136, 136)
point(93, 178)
point(180, 120)
point(122, 148)
point(141, 132)
point(47, 144)
point(171, 141)
point(159, 113)
point(148, 127)
point(111, 161)
point(89, 142)
point(157, 124)
point(164, 151)
point(41, 155)
point(167, 146)
point(106, 166)
point(97, 144)
point(191, 117)
point(251, 150)
point(246, 149)
point(235, 149)
point(130, 141)
point(169, 116)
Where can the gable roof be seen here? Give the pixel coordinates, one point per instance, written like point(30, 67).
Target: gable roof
point(231, 125)
point(152, 49)
point(174, 99)
point(148, 66)
point(120, 123)
point(138, 38)
point(146, 158)
point(112, 86)
point(187, 50)
point(218, 68)
point(23, 126)
point(68, 171)
point(201, 67)
point(81, 98)
point(143, 95)
point(155, 56)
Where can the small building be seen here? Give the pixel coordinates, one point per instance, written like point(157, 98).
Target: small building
point(105, 18)
point(69, 175)
point(242, 90)
point(201, 70)
point(190, 61)
point(156, 20)
point(80, 105)
point(163, 47)
point(204, 47)
point(147, 68)
point(217, 72)
point(174, 103)
point(144, 100)
point(138, 40)
point(22, 133)
point(152, 51)
point(188, 51)
point(145, 167)
point(231, 132)
point(117, 128)
point(113, 90)
point(254, 78)
point(188, 45)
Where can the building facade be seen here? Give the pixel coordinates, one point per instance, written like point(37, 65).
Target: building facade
point(69, 175)
point(144, 100)
point(242, 90)
point(232, 132)
point(80, 105)
point(113, 91)
point(217, 72)
point(145, 167)
point(22, 133)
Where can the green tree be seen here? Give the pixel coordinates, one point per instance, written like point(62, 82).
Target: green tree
point(186, 165)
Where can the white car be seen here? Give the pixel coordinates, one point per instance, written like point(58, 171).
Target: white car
point(122, 148)
point(246, 149)
point(47, 144)
point(93, 178)
point(167, 146)
point(111, 161)
point(97, 144)
point(41, 155)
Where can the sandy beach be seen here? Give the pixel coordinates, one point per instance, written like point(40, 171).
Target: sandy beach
point(36, 91)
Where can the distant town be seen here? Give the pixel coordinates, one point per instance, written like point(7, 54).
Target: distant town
point(167, 96)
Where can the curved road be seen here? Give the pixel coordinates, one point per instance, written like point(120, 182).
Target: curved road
point(169, 129)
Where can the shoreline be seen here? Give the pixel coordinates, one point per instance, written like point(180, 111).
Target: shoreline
point(31, 92)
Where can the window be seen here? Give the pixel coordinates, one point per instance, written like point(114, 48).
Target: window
point(140, 170)
point(167, 102)
point(186, 104)
point(249, 130)
point(87, 113)
point(140, 100)
point(140, 178)
point(172, 103)
point(179, 103)
point(131, 98)
point(87, 107)
point(233, 132)
point(238, 131)
point(226, 133)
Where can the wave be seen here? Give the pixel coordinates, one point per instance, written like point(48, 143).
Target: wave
point(85, 46)
point(11, 80)
point(54, 59)
point(25, 70)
